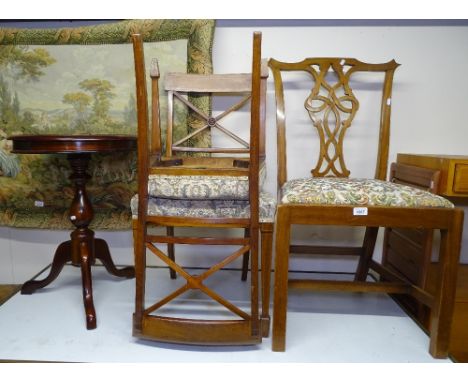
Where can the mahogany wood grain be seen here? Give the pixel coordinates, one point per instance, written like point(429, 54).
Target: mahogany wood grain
point(71, 144)
point(83, 248)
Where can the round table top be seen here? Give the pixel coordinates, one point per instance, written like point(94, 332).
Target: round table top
point(69, 144)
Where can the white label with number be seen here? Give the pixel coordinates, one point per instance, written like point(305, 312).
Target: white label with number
point(360, 211)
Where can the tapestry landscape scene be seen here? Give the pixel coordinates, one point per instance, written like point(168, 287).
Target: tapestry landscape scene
point(71, 89)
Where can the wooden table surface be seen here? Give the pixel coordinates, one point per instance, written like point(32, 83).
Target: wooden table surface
point(83, 248)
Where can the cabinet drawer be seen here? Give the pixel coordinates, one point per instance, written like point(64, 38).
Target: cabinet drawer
point(460, 179)
point(404, 252)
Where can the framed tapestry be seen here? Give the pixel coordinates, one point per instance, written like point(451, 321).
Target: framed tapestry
point(81, 81)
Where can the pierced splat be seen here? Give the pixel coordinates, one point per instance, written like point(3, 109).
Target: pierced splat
point(331, 107)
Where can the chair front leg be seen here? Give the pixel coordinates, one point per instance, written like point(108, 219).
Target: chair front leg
point(444, 302)
point(139, 251)
point(266, 232)
point(280, 293)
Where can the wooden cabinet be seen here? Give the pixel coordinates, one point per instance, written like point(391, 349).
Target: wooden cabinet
point(407, 251)
point(453, 171)
point(459, 337)
point(411, 256)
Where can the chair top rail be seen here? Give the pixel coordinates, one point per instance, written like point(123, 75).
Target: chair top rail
point(212, 83)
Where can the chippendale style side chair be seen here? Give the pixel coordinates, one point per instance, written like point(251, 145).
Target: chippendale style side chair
point(217, 190)
point(331, 198)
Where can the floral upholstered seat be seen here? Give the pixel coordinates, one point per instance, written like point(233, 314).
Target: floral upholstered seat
point(208, 208)
point(202, 187)
point(349, 191)
point(205, 196)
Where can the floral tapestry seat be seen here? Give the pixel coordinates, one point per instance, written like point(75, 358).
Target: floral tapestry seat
point(358, 192)
point(204, 196)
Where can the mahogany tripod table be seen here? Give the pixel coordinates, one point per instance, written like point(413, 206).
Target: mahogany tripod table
point(83, 248)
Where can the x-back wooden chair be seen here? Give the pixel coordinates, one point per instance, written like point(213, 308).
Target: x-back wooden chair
point(331, 198)
point(217, 190)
